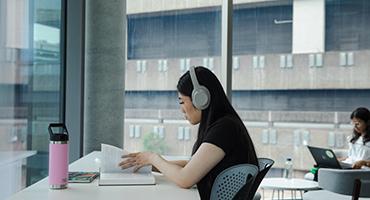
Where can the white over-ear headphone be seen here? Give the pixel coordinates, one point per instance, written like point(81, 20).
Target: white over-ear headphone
point(200, 95)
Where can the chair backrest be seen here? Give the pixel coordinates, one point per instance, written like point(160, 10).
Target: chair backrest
point(229, 182)
point(342, 180)
point(264, 166)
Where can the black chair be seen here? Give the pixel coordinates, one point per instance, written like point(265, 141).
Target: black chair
point(233, 180)
point(357, 186)
point(264, 166)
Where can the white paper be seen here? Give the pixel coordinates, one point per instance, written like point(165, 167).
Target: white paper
point(111, 157)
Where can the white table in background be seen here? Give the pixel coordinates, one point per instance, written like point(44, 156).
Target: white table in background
point(293, 185)
point(11, 171)
point(163, 189)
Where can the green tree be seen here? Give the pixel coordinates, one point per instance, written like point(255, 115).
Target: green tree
point(152, 142)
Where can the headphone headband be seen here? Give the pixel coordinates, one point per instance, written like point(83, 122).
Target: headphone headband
point(200, 94)
point(193, 77)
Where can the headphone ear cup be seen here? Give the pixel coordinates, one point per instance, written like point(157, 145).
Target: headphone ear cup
point(201, 97)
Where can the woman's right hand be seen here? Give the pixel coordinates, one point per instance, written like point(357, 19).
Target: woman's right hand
point(137, 160)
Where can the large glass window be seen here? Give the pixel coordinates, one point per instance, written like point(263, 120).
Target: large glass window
point(258, 28)
point(163, 42)
point(30, 71)
point(347, 27)
point(291, 93)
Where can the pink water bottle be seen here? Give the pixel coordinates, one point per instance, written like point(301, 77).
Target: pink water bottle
point(58, 156)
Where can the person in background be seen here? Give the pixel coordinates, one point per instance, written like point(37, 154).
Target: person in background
point(222, 141)
point(359, 142)
point(358, 154)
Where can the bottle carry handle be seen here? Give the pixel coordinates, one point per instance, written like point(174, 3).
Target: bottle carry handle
point(57, 125)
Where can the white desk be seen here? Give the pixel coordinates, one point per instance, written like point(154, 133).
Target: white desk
point(11, 171)
point(294, 184)
point(90, 191)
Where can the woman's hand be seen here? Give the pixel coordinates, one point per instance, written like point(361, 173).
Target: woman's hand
point(137, 160)
point(360, 163)
point(342, 158)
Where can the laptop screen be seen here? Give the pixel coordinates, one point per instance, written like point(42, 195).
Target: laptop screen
point(324, 157)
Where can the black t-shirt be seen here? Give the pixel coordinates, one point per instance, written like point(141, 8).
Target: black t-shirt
point(229, 134)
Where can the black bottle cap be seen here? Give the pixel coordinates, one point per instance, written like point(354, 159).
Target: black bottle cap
point(58, 132)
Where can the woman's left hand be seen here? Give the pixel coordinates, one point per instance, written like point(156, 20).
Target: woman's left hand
point(359, 164)
point(137, 160)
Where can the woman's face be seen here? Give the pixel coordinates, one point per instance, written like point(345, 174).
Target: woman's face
point(192, 114)
point(359, 125)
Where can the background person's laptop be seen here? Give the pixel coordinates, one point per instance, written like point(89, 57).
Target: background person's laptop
point(326, 158)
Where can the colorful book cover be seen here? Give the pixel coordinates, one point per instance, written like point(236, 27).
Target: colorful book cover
point(82, 177)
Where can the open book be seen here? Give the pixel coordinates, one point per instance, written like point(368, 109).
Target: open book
point(112, 174)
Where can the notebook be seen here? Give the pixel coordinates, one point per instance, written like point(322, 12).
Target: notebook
point(82, 177)
point(112, 174)
point(326, 158)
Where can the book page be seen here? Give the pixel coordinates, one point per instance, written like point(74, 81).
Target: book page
point(111, 157)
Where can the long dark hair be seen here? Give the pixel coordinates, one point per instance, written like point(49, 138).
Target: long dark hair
point(218, 107)
point(363, 114)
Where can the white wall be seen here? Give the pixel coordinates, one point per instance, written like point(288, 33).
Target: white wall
point(17, 24)
point(308, 26)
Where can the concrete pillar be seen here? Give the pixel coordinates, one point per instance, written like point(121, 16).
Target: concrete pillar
point(104, 73)
point(74, 84)
point(308, 26)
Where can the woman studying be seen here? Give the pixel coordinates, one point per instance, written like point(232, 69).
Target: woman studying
point(359, 143)
point(222, 140)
